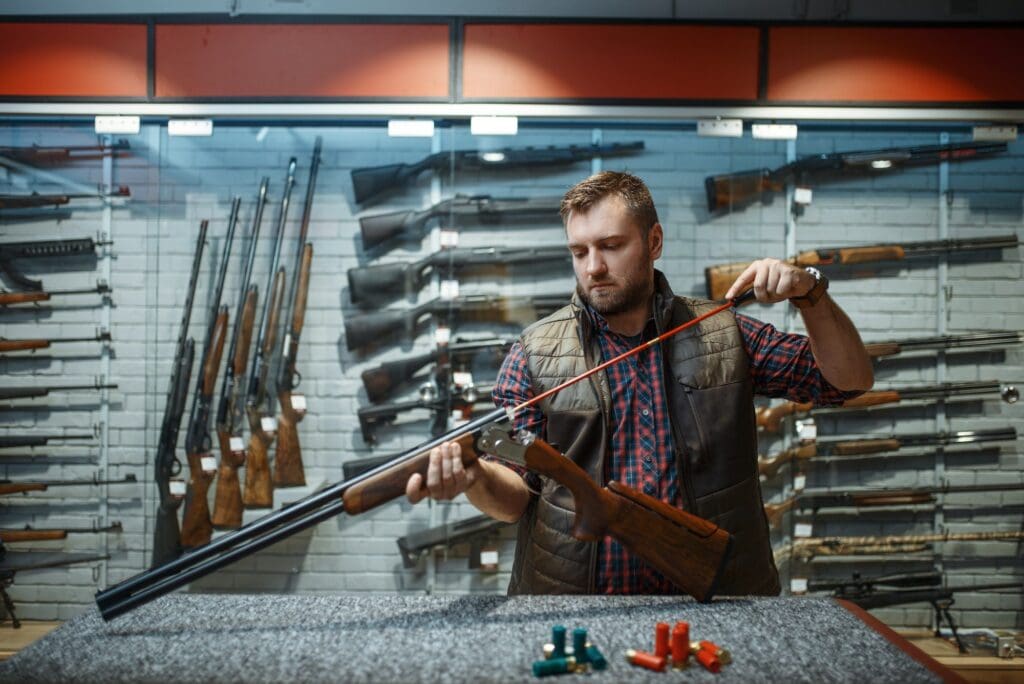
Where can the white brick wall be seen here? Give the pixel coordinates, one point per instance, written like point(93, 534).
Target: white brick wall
point(176, 182)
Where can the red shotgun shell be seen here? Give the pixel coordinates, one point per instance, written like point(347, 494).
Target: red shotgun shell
point(661, 639)
point(648, 660)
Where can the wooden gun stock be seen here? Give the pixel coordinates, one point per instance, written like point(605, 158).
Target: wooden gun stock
point(879, 349)
point(768, 466)
point(774, 512)
point(8, 536)
point(22, 345)
point(10, 298)
point(20, 487)
point(865, 446)
point(288, 470)
point(769, 418)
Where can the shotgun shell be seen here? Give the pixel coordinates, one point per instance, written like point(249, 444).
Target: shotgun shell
point(661, 639)
point(708, 659)
point(681, 646)
point(596, 658)
point(648, 660)
point(543, 668)
point(579, 644)
point(558, 639)
point(722, 654)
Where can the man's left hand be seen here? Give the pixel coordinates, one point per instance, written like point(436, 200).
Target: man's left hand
point(773, 280)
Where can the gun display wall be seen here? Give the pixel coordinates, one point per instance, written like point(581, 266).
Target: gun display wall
point(407, 267)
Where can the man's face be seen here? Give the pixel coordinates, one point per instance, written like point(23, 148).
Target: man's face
point(613, 262)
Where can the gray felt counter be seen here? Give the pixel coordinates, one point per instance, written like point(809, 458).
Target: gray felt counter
point(389, 638)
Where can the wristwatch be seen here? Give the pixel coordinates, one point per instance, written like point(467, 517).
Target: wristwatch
point(815, 293)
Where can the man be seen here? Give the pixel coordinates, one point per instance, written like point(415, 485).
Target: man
point(676, 421)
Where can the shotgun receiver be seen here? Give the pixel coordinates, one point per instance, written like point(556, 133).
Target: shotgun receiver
point(719, 278)
point(688, 550)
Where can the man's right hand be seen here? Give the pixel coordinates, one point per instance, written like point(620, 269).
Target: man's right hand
point(446, 476)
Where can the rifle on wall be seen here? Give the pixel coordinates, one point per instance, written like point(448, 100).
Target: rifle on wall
point(461, 210)
point(473, 531)
point(8, 393)
point(719, 278)
point(33, 440)
point(991, 338)
point(38, 155)
point(454, 399)
point(28, 533)
point(37, 296)
point(288, 471)
point(258, 492)
point(369, 182)
point(382, 380)
point(34, 344)
point(769, 466)
point(227, 500)
point(196, 528)
point(39, 249)
point(736, 190)
point(382, 283)
point(770, 418)
point(37, 200)
point(13, 562)
point(166, 534)
point(805, 549)
point(690, 551)
point(21, 487)
point(909, 496)
point(362, 330)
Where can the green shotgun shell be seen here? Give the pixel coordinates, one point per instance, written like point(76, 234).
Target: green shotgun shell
point(554, 666)
point(558, 639)
point(579, 644)
point(596, 658)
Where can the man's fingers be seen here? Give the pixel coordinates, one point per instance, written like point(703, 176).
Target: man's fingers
point(434, 484)
point(743, 281)
point(414, 488)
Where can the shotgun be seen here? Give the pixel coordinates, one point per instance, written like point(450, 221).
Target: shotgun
point(989, 338)
point(12, 441)
point(38, 155)
point(8, 393)
point(7, 345)
point(37, 296)
point(9, 487)
point(28, 533)
point(37, 200)
point(440, 403)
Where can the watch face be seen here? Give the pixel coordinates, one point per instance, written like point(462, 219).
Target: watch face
point(814, 272)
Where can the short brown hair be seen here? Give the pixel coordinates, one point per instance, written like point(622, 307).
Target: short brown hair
point(633, 191)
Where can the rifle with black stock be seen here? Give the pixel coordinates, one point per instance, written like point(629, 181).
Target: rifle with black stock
point(769, 465)
point(288, 471)
point(363, 330)
point(736, 190)
point(166, 533)
point(369, 182)
point(21, 487)
point(28, 533)
point(720, 277)
point(39, 249)
point(473, 531)
point(461, 210)
point(33, 440)
point(382, 380)
point(37, 296)
point(441, 403)
point(227, 500)
point(769, 418)
point(990, 338)
point(8, 393)
point(382, 283)
point(196, 528)
point(36, 200)
point(258, 491)
point(863, 498)
point(39, 155)
point(34, 344)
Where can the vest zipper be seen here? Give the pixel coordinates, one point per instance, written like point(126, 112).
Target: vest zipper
point(589, 363)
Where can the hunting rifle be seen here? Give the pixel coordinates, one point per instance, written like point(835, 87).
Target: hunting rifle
point(735, 190)
point(13, 562)
point(8, 393)
point(806, 548)
point(196, 528)
point(258, 491)
point(28, 533)
point(34, 344)
point(769, 465)
point(9, 487)
point(227, 500)
point(39, 249)
point(989, 338)
point(369, 182)
point(374, 285)
point(36, 200)
point(441, 403)
point(288, 471)
point(166, 533)
point(33, 440)
point(39, 155)
point(37, 296)
point(720, 278)
point(472, 531)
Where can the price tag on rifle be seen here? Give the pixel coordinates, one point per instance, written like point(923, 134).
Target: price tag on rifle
point(460, 417)
point(449, 289)
point(268, 424)
point(176, 488)
point(798, 585)
point(801, 195)
point(807, 429)
point(449, 238)
point(237, 446)
point(799, 482)
point(803, 530)
point(489, 559)
point(208, 464)
point(462, 379)
point(299, 403)
point(442, 335)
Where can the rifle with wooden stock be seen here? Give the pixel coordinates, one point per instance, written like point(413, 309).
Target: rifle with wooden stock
point(288, 471)
point(908, 496)
point(37, 296)
point(166, 532)
point(22, 487)
point(258, 491)
point(990, 338)
point(39, 155)
point(718, 279)
point(43, 249)
point(735, 190)
point(227, 499)
point(36, 200)
point(769, 465)
point(196, 528)
point(28, 533)
point(769, 418)
point(38, 343)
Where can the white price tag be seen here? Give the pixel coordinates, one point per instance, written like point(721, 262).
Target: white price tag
point(237, 444)
point(176, 487)
point(806, 429)
point(299, 402)
point(799, 482)
point(489, 558)
point(798, 585)
point(449, 289)
point(802, 195)
point(803, 530)
point(208, 464)
point(268, 424)
point(449, 238)
point(462, 379)
point(442, 335)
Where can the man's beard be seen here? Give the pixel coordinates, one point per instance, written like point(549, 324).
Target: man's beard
point(635, 291)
